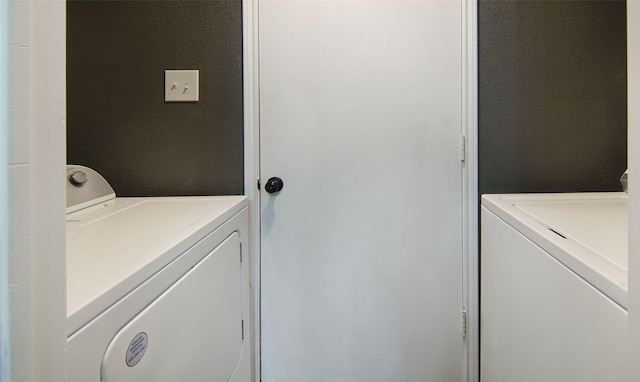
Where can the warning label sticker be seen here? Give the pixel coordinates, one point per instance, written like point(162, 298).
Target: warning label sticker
point(137, 348)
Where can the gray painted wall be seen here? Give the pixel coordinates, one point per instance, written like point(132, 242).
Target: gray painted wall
point(552, 95)
point(118, 123)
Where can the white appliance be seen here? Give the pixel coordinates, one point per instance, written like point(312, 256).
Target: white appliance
point(157, 288)
point(554, 287)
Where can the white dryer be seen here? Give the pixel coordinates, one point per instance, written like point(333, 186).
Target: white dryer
point(554, 287)
point(157, 288)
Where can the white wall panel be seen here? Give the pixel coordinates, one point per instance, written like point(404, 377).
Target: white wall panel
point(36, 173)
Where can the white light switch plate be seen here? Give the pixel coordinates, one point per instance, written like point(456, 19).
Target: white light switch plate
point(181, 86)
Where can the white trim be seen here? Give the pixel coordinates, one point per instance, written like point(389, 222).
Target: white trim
point(470, 189)
point(5, 327)
point(633, 111)
point(252, 160)
point(48, 157)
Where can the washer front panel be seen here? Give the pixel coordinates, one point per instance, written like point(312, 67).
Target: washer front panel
point(539, 320)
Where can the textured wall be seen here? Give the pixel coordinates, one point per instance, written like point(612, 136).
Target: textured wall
point(118, 123)
point(552, 96)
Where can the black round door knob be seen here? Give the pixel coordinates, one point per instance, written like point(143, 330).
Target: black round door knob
point(273, 185)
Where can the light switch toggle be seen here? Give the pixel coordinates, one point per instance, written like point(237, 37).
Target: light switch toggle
point(181, 86)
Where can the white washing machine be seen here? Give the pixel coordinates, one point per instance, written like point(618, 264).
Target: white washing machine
point(157, 288)
point(554, 287)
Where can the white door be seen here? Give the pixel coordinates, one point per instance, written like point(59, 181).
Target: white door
point(360, 116)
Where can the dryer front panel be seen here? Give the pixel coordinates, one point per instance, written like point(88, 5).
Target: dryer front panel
point(191, 332)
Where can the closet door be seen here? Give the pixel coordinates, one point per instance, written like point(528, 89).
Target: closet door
point(360, 119)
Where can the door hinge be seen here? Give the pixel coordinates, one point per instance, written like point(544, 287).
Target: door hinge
point(242, 325)
point(464, 323)
point(463, 148)
point(258, 183)
point(240, 253)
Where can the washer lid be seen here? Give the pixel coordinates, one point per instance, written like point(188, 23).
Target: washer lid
point(587, 232)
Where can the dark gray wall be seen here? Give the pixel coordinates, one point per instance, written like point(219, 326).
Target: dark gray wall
point(552, 96)
point(118, 123)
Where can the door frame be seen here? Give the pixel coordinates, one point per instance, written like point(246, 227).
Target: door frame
point(251, 114)
point(250, 26)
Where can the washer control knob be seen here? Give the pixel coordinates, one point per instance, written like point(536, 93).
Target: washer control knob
point(78, 178)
